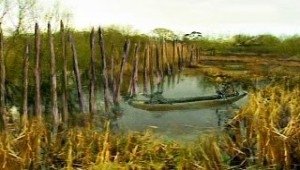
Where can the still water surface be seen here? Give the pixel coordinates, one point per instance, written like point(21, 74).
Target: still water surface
point(180, 124)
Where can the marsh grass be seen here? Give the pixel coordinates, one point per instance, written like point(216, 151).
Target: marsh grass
point(263, 134)
point(266, 131)
point(36, 147)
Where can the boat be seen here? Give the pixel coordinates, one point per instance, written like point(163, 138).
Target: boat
point(187, 102)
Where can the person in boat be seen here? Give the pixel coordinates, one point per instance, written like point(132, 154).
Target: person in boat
point(226, 89)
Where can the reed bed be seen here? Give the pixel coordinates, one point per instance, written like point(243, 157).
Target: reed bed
point(263, 134)
point(35, 147)
point(266, 131)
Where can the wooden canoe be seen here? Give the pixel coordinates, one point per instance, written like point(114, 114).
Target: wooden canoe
point(186, 103)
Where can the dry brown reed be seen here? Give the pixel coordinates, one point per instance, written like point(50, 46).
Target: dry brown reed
point(266, 131)
point(23, 150)
point(263, 134)
point(35, 147)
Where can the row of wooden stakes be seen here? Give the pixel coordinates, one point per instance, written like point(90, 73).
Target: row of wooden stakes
point(155, 63)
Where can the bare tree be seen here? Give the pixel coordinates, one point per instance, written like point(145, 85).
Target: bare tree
point(25, 12)
point(20, 16)
point(164, 33)
point(4, 9)
point(57, 12)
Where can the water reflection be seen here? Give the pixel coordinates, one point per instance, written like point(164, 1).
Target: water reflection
point(179, 124)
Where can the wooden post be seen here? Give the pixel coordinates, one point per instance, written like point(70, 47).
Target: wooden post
point(55, 113)
point(134, 76)
point(92, 99)
point(64, 73)
point(24, 118)
point(161, 58)
point(37, 73)
point(174, 56)
point(119, 81)
point(107, 94)
point(77, 74)
point(197, 55)
point(2, 82)
point(159, 74)
point(173, 80)
point(179, 59)
point(151, 67)
point(165, 58)
point(132, 64)
point(112, 70)
point(191, 62)
point(151, 59)
point(130, 80)
point(182, 56)
point(146, 69)
point(169, 81)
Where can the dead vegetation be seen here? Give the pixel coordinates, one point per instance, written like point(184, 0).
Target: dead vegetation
point(264, 133)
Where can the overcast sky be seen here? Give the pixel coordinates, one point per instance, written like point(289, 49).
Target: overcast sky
point(207, 16)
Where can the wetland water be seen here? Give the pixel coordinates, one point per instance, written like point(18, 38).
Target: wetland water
point(180, 124)
point(188, 124)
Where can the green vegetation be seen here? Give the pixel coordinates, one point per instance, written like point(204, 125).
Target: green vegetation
point(246, 45)
point(241, 45)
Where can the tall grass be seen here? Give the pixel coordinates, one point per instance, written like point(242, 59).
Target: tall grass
point(266, 131)
point(263, 134)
